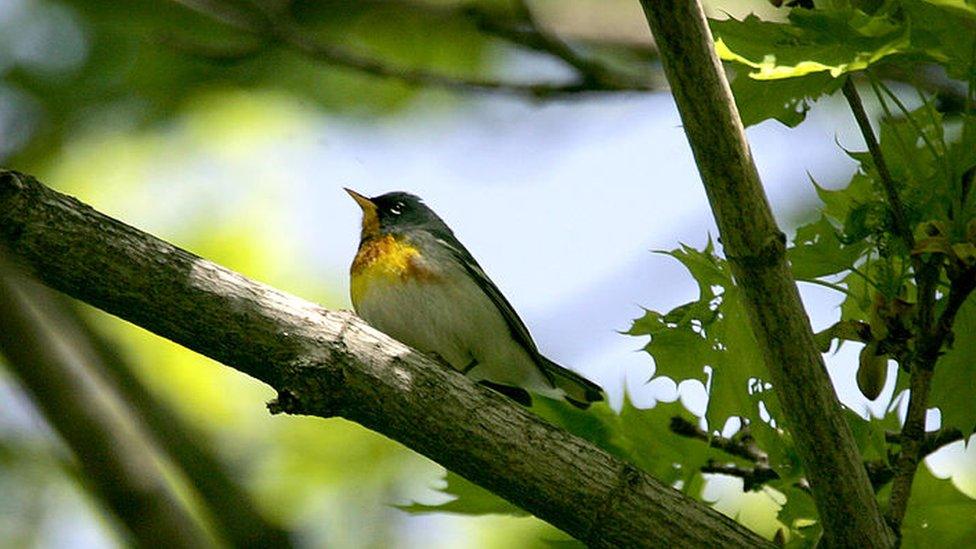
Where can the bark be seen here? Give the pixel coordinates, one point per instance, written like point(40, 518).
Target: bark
point(755, 247)
point(330, 363)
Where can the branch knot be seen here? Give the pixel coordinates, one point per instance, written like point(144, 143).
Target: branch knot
point(772, 250)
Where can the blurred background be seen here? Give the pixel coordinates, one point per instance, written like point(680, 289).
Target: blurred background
point(230, 128)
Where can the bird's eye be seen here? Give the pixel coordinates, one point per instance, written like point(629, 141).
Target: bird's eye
point(397, 208)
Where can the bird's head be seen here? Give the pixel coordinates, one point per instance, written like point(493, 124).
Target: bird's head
point(393, 213)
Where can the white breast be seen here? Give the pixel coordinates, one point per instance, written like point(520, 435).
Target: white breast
point(453, 318)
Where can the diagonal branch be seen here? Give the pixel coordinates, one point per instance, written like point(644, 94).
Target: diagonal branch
point(753, 478)
point(741, 444)
point(329, 363)
point(755, 247)
point(528, 33)
point(931, 333)
point(117, 462)
point(887, 181)
point(274, 27)
point(229, 505)
point(293, 38)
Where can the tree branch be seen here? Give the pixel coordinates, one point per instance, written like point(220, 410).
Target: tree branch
point(884, 174)
point(931, 334)
point(532, 36)
point(740, 445)
point(117, 463)
point(295, 39)
point(329, 363)
point(881, 473)
point(229, 505)
point(755, 247)
point(931, 339)
point(277, 28)
point(752, 477)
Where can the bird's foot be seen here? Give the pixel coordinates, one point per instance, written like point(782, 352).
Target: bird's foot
point(517, 394)
point(438, 358)
point(469, 367)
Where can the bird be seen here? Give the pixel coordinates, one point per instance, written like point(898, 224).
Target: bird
point(413, 280)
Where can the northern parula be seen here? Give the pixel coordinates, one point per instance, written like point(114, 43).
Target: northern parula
point(413, 280)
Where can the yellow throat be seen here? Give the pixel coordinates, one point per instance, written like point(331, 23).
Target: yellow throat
point(383, 259)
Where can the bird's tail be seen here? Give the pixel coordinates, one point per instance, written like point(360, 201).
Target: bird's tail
point(579, 391)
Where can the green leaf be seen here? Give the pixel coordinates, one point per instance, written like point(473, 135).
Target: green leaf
point(836, 41)
point(679, 351)
point(939, 515)
point(640, 436)
point(786, 100)
point(869, 434)
point(838, 204)
point(945, 31)
point(712, 331)
point(736, 366)
point(953, 387)
point(818, 251)
point(470, 499)
point(800, 515)
point(659, 451)
point(598, 424)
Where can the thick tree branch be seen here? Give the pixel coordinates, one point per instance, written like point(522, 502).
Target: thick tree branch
point(118, 465)
point(329, 363)
point(755, 247)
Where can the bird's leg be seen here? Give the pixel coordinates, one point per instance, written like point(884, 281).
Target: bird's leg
point(470, 366)
point(438, 358)
point(517, 394)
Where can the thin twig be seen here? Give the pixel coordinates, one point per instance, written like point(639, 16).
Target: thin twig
point(752, 477)
point(537, 38)
point(933, 335)
point(227, 15)
point(593, 77)
point(960, 288)
point(931, 339)
point(740, 445)
point(825, 284)
point(928, 344)
point(298, 41)
point(932, 441)
point(887, 182)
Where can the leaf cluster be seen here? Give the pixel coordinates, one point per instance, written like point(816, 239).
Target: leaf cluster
point(781, 67)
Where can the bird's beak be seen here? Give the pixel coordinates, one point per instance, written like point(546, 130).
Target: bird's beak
point(365, 203)
point(371, 221)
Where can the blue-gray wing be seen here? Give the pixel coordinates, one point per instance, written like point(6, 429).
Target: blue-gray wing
point(579, 390)
point(519, 331)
